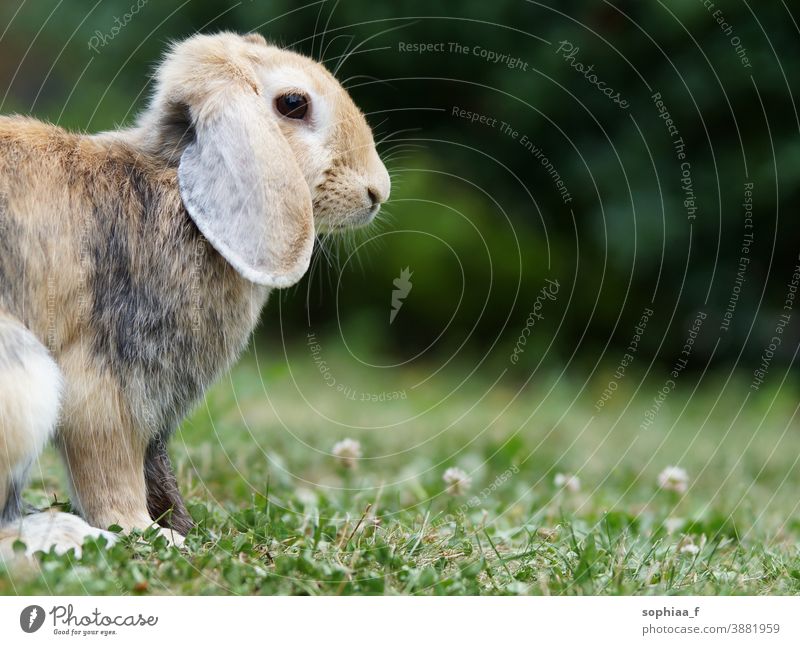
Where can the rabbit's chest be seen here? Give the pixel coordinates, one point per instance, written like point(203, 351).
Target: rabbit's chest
point(167, 318)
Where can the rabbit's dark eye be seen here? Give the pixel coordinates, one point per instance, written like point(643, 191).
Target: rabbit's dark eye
point(293, 105)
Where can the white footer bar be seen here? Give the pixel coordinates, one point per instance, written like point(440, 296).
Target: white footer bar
point(441, 621)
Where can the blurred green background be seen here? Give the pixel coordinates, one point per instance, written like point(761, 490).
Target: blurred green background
point(476, 216)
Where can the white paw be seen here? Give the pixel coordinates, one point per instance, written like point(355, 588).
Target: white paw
point(45, 531)
point(173, 537)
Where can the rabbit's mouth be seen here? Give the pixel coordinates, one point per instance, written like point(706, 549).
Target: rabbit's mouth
point(366, 217)
point(359, 219)
point(333, 220)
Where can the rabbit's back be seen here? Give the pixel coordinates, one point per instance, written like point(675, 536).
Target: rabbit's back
point(34, 216)
point(96, 250)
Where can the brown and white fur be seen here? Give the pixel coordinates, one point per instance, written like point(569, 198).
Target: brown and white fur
point(134, 266)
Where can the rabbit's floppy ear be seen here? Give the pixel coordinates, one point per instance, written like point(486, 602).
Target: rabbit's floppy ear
point(241, 185)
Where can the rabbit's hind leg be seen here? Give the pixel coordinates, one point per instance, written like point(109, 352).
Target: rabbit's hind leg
point(164, 500)
point(30, 394)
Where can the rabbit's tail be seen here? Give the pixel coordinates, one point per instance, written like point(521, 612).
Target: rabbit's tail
point(30, 397)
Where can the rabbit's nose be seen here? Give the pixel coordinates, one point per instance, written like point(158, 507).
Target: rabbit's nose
point(376, 197)
point(379, 187)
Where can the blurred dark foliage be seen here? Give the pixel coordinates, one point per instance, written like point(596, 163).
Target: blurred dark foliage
point(475, 216)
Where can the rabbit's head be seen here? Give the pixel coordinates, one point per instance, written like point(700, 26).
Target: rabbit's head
point(269, 148)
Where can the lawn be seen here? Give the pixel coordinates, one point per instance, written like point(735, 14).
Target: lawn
point(278, 513)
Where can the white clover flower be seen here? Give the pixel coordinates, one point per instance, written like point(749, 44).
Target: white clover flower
point(690, 548)
point(457, 481)
point(347, 452)
point(306, 496)
point(674, 524)
point(674, 478)
point(568, 482)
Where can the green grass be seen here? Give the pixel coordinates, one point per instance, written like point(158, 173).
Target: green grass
point(277, 514)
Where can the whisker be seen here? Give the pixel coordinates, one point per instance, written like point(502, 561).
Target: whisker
point(327, 25)
point(380, 124)
point(397, 156)
point(316, 26)
point(402, 147)
point(350, 38)
point(389, 136)
point(375, 79)
point(366, 40)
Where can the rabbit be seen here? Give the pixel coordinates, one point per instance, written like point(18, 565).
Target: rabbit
point(134, 265)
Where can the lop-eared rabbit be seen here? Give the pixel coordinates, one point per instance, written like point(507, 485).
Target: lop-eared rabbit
point(134, 266)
